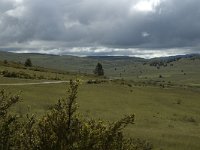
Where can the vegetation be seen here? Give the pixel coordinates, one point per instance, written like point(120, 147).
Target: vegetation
point(135, 70)
point(28, 63)
point(63, 129)
point(5, 61)
point(96, 81)
point(17, 70)
point(165, 98)
point(8, 123)
point(24, 75)
point(99, 70)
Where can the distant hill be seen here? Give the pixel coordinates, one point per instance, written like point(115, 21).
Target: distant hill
point(177, 57)
point(111, 58)
point(69, 63)
point(87, 64)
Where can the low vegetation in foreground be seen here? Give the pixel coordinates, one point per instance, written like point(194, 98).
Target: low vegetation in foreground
point(63, 128)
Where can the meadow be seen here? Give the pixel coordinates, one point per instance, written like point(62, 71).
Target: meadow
point(166, 107)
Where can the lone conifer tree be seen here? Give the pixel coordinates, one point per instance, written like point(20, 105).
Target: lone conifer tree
point(99, 70)
point(28, 63)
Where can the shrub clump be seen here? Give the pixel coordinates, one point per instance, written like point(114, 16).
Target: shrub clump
point(17, 75)
point(96, 81)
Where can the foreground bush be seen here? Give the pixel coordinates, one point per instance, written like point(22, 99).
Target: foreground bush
point(8, 123)
point(63, 128)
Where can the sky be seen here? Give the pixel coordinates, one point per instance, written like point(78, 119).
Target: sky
point(142, 28)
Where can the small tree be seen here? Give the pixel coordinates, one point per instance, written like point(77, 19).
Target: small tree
point(99, 70)
point(28, 63)
point(5, 61)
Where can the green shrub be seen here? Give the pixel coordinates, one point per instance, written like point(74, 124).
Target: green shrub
point(17, 75)
point(96, 81)
point(8, 123)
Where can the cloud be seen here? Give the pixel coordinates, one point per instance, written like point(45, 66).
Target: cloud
point(105, 51)
point(146, 5)
point(115, 24)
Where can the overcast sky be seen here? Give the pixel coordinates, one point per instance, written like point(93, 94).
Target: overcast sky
point(144, 28)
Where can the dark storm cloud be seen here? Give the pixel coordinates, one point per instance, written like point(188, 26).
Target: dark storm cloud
point(54, 24)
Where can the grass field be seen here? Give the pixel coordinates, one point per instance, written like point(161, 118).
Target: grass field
point(168, 116)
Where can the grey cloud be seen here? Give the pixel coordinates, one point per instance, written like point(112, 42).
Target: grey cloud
point(104, 51)
point(32, 24)
point(5, 5)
